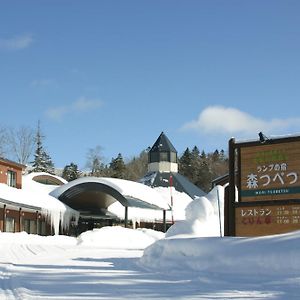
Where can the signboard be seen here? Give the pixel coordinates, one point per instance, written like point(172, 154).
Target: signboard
point(265, 220)
point(270, 172)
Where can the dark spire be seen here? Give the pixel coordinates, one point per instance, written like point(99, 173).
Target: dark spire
point(162, 150)
point(163, 144)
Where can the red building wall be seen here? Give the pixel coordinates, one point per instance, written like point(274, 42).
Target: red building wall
point(6, 165)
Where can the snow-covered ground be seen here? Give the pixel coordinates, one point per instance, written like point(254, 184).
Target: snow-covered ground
point(191, 261)
point(96, 266)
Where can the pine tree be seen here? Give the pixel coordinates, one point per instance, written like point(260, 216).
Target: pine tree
point(118, 167)
point(42, 161)
point(71, 172)
point(202, 168)
point(185, 163)
point(195, 153)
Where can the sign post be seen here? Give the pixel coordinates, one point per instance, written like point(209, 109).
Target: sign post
point(267, 179)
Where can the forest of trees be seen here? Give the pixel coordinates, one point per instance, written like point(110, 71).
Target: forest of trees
point(199, 167)
point(202, 168)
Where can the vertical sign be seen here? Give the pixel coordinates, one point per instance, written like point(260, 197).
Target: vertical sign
point(270, 172)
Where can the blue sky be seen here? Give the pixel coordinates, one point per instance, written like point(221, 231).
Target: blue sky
point(117, 73)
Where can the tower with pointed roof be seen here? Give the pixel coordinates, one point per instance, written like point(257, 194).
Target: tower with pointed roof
point(162, 156)
point(163, 169)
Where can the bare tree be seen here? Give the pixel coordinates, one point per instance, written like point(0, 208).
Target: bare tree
point(21, 143)
point(94, 161)
point(3, 141)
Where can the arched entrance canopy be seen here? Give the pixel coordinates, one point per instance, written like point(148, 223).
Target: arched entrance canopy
point(93, 195)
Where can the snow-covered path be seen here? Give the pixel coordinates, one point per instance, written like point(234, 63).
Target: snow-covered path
point(64, 268)
point(84, 273)
point(68, 272)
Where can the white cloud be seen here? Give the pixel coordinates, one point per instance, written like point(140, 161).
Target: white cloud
point(16, 43)
point(228, 120)
point(81, 105)
point(43, 83)
point(57, 113)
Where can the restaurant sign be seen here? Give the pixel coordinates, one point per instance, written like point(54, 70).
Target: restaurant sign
point(264, 220)
point(270, 172)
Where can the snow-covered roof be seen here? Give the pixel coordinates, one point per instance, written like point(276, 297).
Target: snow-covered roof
point(134, 193)
point(36, 195)
point(45, 178)
point(179, 182)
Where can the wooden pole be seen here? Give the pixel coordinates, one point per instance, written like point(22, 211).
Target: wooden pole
point(4, 217)
point(164, 221)
point(20, 219)
point(231, 199)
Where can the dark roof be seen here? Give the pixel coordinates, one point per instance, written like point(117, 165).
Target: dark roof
point(163, 144)
point(221, 180)
point(13, 163)
point(180, 183)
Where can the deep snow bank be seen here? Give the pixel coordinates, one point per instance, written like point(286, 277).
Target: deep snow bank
point(117, 237)
point(203, 216)
point(269, 255)
point(106, 237)
point(7, 238)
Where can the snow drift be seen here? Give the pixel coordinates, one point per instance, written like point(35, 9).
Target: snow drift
point(277, 254)
point(117, 237)
point(203, 216)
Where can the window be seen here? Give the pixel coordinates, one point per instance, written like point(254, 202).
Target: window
point(173, 157)
point(30, 226)
point(9, 224)
point(11, 178)
point(163, 156)
point(42, 228)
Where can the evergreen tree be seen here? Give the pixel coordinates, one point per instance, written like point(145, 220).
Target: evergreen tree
point(195, 153)
point(71, 172)
point(42, 161)
point(202, 168)
point(118, 167)
point(203, 155)
point(222, 155)
point(216, 155)
point(185, 163)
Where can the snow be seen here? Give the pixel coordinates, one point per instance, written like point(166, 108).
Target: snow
point(96, 266)
point(191, 261)
point(203, 216)
point(180, 201)
point(125, 187)
point(126, 238)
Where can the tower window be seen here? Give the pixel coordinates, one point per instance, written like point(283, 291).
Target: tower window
point(163, 156)
point(173, 157)
point(11, 178)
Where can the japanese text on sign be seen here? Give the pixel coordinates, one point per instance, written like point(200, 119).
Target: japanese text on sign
point(270, 172)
